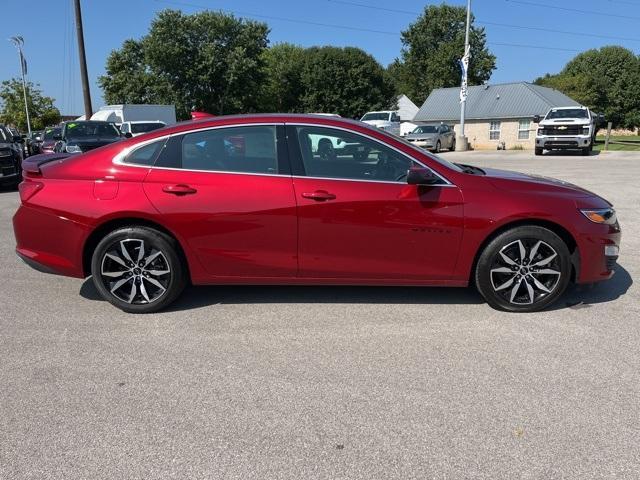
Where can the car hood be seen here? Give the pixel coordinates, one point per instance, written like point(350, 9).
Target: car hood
point(421, 136)
point(565, 121)
point(378, 123)
point(523, 182)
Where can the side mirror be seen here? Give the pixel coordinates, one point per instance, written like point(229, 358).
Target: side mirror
point(128, 135)
point(536, 119)
point(57, 136)
point(422, 176)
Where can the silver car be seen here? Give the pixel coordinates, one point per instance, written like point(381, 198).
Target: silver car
point(433, 137)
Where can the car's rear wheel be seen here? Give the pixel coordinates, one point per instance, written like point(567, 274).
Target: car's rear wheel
point(524, 269)
point(538, 151)
point(453, 145)
point(138, 269)
point(438, 146)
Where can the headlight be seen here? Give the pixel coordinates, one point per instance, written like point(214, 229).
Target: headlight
point(585, 130)
point(605, 216)
point(73, 149)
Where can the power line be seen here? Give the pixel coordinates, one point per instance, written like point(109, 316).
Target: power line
point(573, 10)
point(483, 22)
point(342, 27)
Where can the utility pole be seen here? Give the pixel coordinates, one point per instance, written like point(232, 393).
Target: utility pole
point(18, 41)
point(83, 62)
point(462, 143)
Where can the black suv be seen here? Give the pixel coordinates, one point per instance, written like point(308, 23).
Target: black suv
point(11, 148)
point(82, 136)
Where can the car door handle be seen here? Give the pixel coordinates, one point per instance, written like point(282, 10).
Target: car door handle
point(179, 189)
point(319, 195)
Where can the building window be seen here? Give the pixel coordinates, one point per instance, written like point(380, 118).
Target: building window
point(494, 130)
point(523, 129)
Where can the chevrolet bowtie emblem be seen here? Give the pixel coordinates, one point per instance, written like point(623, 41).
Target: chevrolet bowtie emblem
point(562, 127)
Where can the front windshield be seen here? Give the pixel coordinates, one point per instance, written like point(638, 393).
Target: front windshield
point(79, 130)
point(4, 135)
point(568, 113)
point(426, 129)
point(375, 116)
point(50, 132)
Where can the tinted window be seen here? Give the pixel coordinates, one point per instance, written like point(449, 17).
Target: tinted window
point(145, 127)
point(145, 155)
point(233, 149)
point(331, 153)
point(50, 132)
point(568, 113)
point(426, 129)
point(375, 116)
point(90, 129)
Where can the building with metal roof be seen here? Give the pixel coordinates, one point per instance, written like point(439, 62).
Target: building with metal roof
point(496, 115)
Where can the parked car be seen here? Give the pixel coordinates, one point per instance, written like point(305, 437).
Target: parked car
point(567, 128)
point(133, 129)
point(148, 215)
point(34, 141)
point(433, 137)
point(386, 120)
point(82, 136)
point(11, 157)
point(50, 137)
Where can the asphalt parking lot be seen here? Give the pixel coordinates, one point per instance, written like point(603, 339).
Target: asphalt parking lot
point(335, 383)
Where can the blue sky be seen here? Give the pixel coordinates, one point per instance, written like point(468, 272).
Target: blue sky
point(51, 50)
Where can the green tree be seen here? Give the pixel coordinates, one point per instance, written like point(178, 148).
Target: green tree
point(432, 46)
point(282, 89)
point(209, 61)
point(42, 112)
point(129, 78)
point(606, 80)
point(347, 81)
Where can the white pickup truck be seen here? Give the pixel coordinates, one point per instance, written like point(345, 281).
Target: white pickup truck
point(567, 128)
point(387, 120)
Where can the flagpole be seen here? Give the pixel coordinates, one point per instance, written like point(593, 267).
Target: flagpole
point(462, 142)
point(19, 42)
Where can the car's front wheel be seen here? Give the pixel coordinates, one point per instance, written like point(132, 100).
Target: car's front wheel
point(524, 269)
point(138, 269)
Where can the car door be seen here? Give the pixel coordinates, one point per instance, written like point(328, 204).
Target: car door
point(228, 194)
point(359, 219)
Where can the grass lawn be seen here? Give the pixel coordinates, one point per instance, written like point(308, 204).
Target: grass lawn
point(616, 146)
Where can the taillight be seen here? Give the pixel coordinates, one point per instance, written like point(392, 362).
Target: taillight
point(28, 189)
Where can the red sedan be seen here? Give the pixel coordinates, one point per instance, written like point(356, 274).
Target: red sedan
point(304, 199)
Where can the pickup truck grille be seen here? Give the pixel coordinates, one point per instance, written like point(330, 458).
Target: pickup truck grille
point(557, 130)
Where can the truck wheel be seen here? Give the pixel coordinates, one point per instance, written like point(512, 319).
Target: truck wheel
point(538, 151)
point(585, 151)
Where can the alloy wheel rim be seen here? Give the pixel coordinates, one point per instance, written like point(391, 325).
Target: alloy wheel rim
point(525, 271)
point(134, 272)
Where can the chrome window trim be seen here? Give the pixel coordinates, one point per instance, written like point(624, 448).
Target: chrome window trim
point(447, 183)
point(119, 158)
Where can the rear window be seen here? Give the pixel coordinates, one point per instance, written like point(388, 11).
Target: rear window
point(145, 127)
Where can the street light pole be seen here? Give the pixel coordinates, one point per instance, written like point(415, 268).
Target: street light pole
point(18, 41)
point(83, 62)
point(462, 142)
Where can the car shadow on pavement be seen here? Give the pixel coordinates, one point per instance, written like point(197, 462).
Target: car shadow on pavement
point(202, 296)
point(569, 153)
point(601, 292)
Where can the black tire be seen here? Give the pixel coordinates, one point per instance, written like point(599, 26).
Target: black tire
point(517, 290)
point(147, 296)
point(538, 151)
point(438, 146)
point(453, 145)
point(585, 151)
